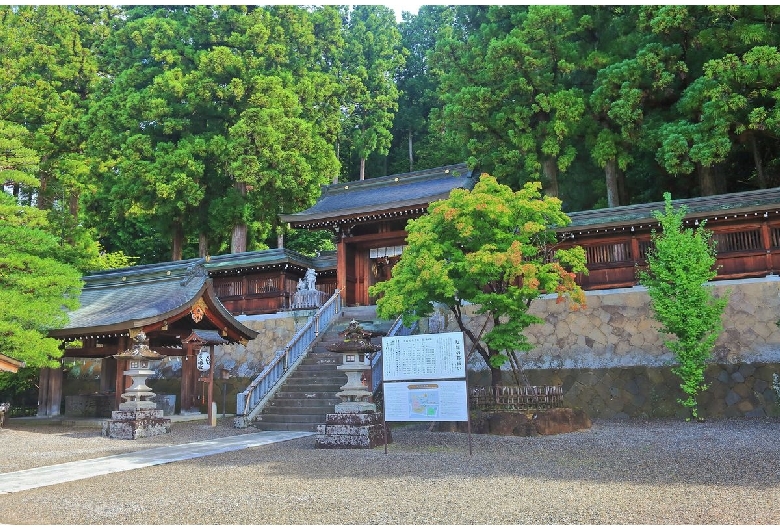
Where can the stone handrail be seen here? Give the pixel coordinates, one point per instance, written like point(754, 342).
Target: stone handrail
point(250, 402)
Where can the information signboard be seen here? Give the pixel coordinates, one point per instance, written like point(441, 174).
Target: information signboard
point(426, 401)
point(424, 379)
point(433, 356)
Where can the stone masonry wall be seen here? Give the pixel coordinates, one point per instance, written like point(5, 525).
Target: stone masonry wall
point(611, 360)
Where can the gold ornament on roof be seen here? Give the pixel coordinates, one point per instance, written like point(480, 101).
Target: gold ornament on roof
point(198, 310)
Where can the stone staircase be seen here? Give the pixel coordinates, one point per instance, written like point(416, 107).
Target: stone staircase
point(309, 393)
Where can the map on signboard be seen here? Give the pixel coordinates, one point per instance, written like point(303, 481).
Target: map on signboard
point(432, 356)
point(423, 404)
point(426, 401)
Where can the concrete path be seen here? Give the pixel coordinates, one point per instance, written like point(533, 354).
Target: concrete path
point(81, 469)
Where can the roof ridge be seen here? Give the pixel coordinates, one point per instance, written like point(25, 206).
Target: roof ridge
point(401, 178)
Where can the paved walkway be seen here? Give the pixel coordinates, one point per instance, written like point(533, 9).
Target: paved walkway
point(57, 474)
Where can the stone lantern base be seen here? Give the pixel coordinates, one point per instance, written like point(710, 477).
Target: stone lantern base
point(354, 430)
point(134, 424)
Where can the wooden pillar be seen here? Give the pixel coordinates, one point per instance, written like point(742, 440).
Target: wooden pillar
point(119, 381)
point(108, 374)
point(119, 372)
point(363, 273)
point(210, 380)
point(50, 392)
point(189, 378)
point(766, 241)
point(635, 253)
point(341, 269)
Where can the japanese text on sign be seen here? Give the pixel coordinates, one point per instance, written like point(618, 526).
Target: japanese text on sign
point(433, 356)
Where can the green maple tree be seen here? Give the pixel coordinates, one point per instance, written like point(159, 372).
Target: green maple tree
point(492, 247)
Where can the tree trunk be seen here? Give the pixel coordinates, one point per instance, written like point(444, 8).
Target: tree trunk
point(759, 162)
point(411, 152)
point(338, 155)
point(178, 241)
point(710, 180)
point(280, 238)
point(622, 191)
point(203, 245)
point(550, 173)
point(613, 190)
point(73, 205)
point(496, 378)
point(238, 240)
point(362, 168)
point(39, 203)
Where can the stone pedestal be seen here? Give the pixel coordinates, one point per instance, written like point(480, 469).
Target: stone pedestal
point(138, 416)
point(356, 423)
point(351, 431)
point(134, 424)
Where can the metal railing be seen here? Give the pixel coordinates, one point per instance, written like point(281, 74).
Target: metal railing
point(250, 402)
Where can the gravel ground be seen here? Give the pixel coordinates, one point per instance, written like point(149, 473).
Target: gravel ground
point(617, 472)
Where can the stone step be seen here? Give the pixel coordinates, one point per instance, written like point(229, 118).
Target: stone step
point(308, 394)
point(287, 426)
point(299, 403)
point(312, 388)
point(293, 411)
point(286, 393)
point(314, 418)
point(326, 362)
point(309, 384)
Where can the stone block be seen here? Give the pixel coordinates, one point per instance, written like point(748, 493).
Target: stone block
point(732, 398)
point(559, 421)
point(747, 370)
point(369, 418)
point(131, 425)
point(745, 406)
point(351, 431)
point(350, 437)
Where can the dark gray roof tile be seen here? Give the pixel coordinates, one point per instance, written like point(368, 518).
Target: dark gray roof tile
point(385, 193)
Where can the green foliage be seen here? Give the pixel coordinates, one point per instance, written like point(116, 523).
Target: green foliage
point(157, 128)
point(370, 64)
point(679, 265)
point(309, 242)
point(36, 286)
point(491, 247)
point(15, 384)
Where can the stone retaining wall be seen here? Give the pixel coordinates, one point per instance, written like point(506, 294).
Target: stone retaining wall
point(736, 390)
point(611, 360)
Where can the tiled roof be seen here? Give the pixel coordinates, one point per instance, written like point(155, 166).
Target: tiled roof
point(132, 297)
point(385, 193)
point(134, 294)
point(273, 256)
point(742, 202)
point(205, 336)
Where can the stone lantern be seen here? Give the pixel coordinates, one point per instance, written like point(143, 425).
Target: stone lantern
point(355, 423)
point(138, 416)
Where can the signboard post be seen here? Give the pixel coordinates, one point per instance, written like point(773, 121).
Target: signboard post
point(424, 379)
